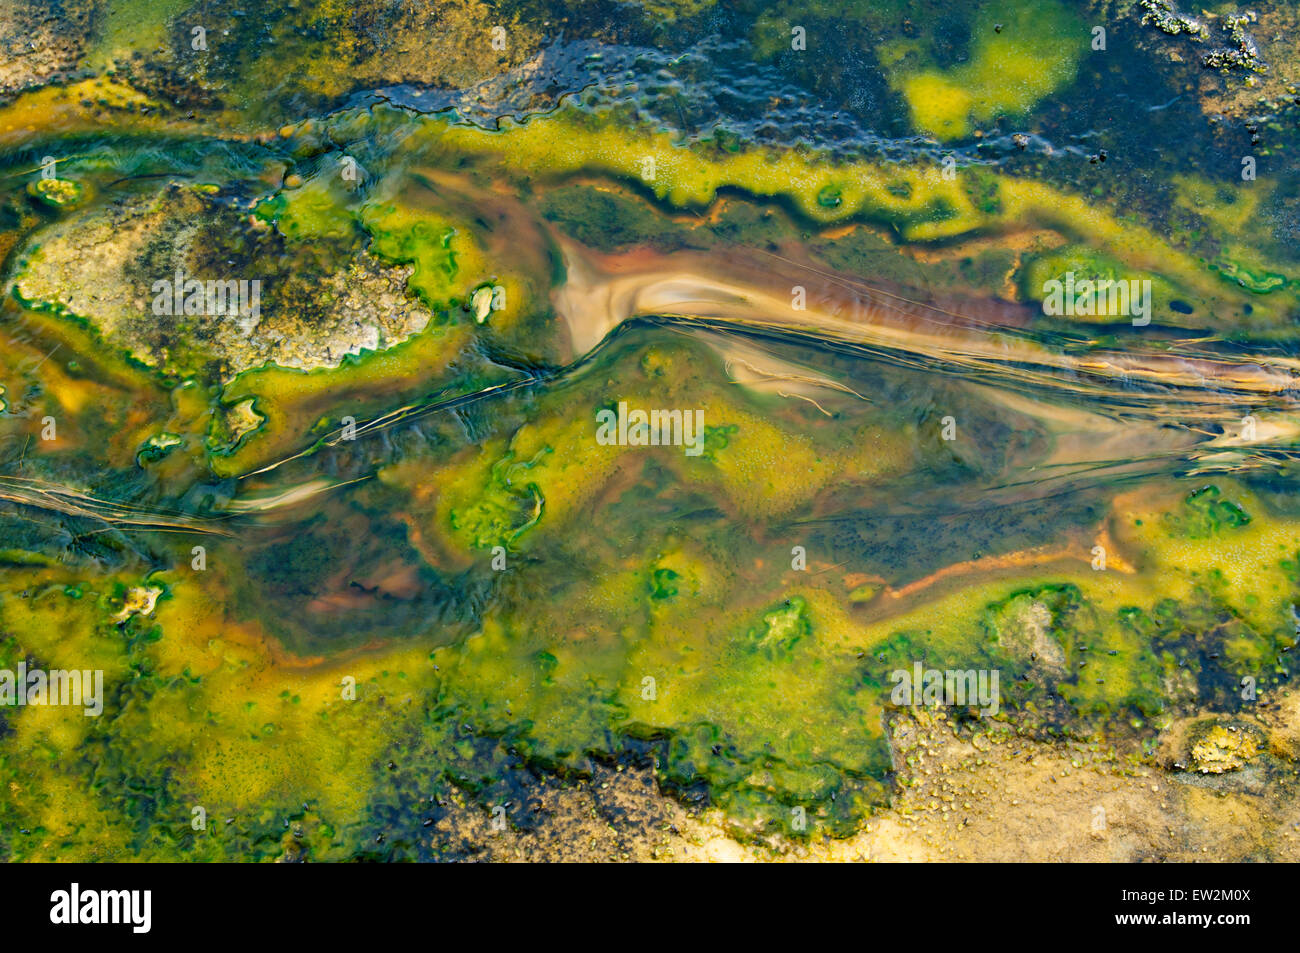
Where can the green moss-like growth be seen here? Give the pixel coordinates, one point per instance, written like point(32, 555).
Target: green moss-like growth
point(57, 193)
point(1020, 52)
point(1206, 514)
point(509, 505)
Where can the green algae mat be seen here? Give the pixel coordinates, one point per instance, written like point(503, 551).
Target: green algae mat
point(416, 420)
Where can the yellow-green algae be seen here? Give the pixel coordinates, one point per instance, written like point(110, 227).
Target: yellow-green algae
point(768, 704)
point(1011, 54)
point(768, 700)
point(690, 638)
point(551, 468)
point(449, 268)
point(1020, 52)
point(915, 199)
point(299, 405)
point(448, 263)
point(207, 719)
point(60, 193)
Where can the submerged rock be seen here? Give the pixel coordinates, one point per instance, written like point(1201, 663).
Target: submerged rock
point(140, 600)
point(1025, 631)
point(59, 193)
point(1250, 68)
point(1223, 748)
point(126, 269)
point(38, 43)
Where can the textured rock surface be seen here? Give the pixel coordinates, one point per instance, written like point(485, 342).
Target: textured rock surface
point(101, 266)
